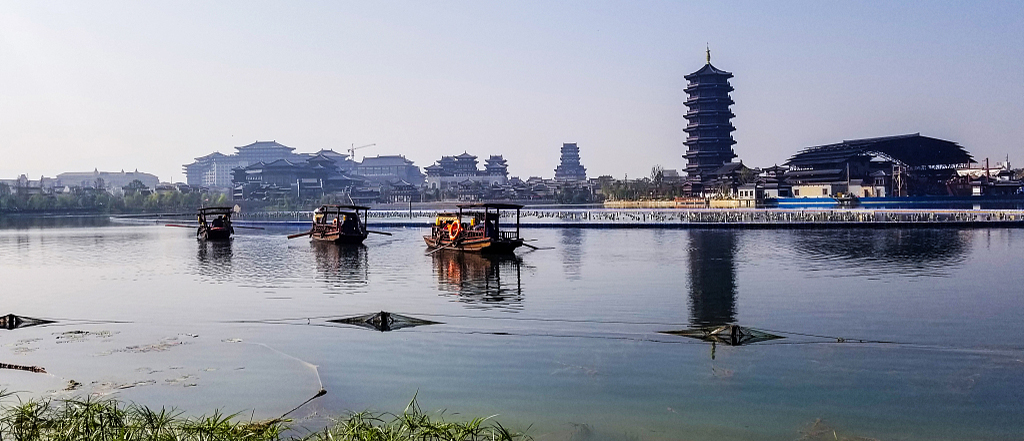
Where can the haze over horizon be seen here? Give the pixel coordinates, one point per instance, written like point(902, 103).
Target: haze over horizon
point(114, 85)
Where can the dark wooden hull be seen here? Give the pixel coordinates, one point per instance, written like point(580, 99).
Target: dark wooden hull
point(483, 245)
point(338, 238)
point(214, 233)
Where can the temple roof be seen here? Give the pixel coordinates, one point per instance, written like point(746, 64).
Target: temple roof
point(320, 157)
point(465, 155)
point(264, 145)
point(912, 150)
point(331, 153)
point(708, 69)
point(281, 163)
point(729, 168)
point(212, 156)
point(385, 160)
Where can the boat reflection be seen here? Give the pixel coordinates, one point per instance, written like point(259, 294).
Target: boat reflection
point(341, 265)
point(712, 277)
point(477, 280)
point(571, 241)
point(214, 259)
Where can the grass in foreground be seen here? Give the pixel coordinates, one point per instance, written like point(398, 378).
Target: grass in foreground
point(100, 420)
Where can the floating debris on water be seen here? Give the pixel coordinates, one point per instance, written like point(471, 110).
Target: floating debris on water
point(24, 346)
point(732, 335)
point(79, 336)
point(820, 431)
point(19, 367)
point(383, 321)
point(11, 321)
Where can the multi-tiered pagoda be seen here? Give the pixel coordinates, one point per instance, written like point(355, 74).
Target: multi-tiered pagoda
point(496, 166)
point(708, 127)
point(570, 169)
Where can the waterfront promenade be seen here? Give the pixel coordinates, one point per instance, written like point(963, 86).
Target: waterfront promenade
point(692, 218)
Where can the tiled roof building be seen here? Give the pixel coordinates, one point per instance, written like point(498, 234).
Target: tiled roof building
point(708, 125)
point(570, 169)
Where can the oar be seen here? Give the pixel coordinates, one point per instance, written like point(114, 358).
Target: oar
point(378, 232)
point(446, 247)
point(181, 226)
point(293, 236)
point(538, 248)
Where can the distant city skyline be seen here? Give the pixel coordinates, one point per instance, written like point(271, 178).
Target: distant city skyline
point(115, 85)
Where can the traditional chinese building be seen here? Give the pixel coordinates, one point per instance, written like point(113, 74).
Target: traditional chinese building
point(708, 124)
point(215, 169)
point(463, 171)
point(890, 166)
point(570, 169)
point(389, 168)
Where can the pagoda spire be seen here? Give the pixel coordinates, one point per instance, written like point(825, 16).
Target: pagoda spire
point(709, 53)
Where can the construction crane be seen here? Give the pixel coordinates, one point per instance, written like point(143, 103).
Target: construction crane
point(352, 150)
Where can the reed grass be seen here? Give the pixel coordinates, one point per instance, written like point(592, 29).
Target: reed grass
point(101, 420)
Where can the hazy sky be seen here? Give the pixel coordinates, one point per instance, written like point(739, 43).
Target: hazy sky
point(152, 85)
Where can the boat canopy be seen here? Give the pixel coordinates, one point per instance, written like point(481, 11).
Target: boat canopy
point(216, 210)
point(496, 205)
point(334, 209)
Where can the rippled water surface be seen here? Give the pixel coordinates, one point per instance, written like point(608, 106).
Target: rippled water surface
point(889, 334)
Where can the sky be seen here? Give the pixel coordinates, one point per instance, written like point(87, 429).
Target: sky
point(126, 85)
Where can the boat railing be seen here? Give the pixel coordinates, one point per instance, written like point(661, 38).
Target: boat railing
point(509, 235)
point(472, 234)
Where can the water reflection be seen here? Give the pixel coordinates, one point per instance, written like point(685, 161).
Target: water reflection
point(572, 252)
point(712, 277)
point(341, 265)
point(478, 279)
point(915, 252)
point(26, 222)
point(214, 259)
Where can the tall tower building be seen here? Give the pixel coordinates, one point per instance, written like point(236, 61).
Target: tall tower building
point(708, 127)
point(570, 168)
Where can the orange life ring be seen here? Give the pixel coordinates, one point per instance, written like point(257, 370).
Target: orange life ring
point(454, 229)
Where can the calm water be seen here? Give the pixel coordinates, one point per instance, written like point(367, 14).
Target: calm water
point(564, 339)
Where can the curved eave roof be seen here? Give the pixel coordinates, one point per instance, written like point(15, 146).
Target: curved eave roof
point(708, 69)
point(913, 150)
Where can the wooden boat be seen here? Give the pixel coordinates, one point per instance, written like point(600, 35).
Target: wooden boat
point(215, 223)
point(475, 228)
point(846, 200)
point(340, 224)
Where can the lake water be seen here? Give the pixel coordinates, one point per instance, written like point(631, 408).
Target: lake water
point(889, 334)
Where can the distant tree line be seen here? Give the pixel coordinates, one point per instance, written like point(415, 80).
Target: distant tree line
point(654, 186)
point(89, 200)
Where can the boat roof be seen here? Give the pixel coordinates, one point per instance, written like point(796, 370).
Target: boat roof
point(500, 206)
point(216, 210)
point(340, 209)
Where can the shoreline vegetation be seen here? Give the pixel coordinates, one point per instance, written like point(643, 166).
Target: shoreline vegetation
point(100, 420)
point(101, 202)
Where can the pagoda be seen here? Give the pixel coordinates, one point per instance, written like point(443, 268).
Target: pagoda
point(496, 166)
point(570, 169)
point(708, 127)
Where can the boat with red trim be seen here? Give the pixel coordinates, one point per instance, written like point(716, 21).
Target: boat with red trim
point(475, 228)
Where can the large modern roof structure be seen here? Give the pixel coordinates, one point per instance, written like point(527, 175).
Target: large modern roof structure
point(912, 151)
